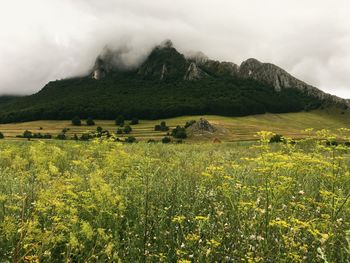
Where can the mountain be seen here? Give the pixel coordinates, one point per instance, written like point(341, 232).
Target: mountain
point(169, 84)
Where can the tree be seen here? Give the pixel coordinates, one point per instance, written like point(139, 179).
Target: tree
point(166, 140)
point(90, 122)
point(127, 129)
point(120, 120)
point(76, 121)
point(134, 121)
point(2, 135)
point(161, 127)
point(179, 133)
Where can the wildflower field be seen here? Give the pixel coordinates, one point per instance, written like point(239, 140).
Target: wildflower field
point(102, 201)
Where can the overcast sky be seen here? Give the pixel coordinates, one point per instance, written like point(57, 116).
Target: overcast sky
point(43, 40)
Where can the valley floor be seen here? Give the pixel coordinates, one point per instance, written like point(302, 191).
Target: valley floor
point(235, 128)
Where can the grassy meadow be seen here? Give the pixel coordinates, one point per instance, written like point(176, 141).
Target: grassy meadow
point(102, 201)
point(235, 128)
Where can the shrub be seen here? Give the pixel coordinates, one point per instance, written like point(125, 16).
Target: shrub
point(189, 123)
point(332, 143)
point(47, 136)
point(64, 130)
point(127, 129)
point(2, 135)
point(76, 121)
point(179, 133)
point(120, 120)
point(90, 122)
point(130, 139)
point(276, 138)
point(161, 127)
point(61, 136)
point(27, 134)
point(134, 121)
point(166, 140)
point(120, 131)
point(99, 129)
point(85, 137)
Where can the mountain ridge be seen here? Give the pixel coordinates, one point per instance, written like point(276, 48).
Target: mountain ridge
point(198, 66)
point(168, 84)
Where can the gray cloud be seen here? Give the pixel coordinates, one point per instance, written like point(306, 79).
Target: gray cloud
point(44, 40)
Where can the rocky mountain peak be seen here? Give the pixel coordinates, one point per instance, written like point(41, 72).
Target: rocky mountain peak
point(165, 63)
point(194, 72)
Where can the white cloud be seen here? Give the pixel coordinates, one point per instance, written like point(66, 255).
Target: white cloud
point(44, 40)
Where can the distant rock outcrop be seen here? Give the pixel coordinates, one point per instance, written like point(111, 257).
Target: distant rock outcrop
point(202, 126)
point(194, 72)
point(280, 79)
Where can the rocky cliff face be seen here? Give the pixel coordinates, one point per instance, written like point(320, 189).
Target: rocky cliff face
point(166, 63)
point(280, 79)
point(194, 72)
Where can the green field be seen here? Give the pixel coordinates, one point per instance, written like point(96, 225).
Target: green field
point(102, 201)
point(237, 128)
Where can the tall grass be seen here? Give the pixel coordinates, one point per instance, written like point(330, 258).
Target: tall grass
point(107, 202)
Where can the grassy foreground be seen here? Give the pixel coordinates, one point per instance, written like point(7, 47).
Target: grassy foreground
point(103, 201)
point(238, 128)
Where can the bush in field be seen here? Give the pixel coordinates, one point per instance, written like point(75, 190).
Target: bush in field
point(179, 133)
point(276, 138)
point(189, 123)
point(76, 121)
point(2, 135)
point(130, 139)
point(161, 127)
point(47, 136)
point(85, 137)
point(127, 129)
point(166, 140)
point(61, 136)
point(90, 122)
point(120, 131)
point(27, 134)
point(99, 129)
